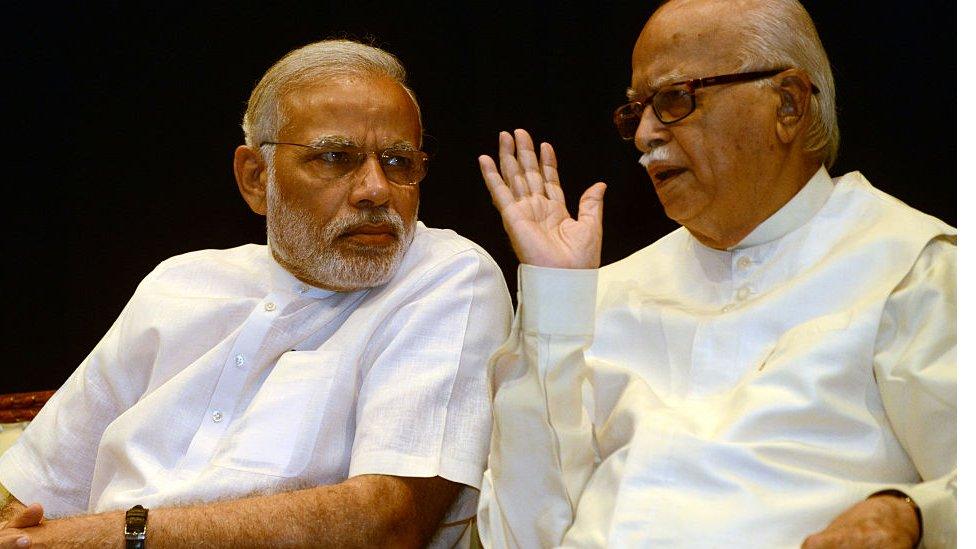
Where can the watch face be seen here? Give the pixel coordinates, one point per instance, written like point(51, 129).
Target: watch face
point(135, 520)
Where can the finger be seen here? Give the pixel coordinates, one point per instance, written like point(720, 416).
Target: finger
point(591, 204)
point(501, 195)
point(510, 167)
point(550, 173)
point(15, 540)
point(28, 516)
point(528, 161)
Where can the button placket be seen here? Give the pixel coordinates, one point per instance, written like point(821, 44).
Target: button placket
point(743, 292)
point(741, 274)
point(229, 385)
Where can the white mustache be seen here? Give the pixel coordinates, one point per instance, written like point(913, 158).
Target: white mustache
point(377, 216)
point(659, 154)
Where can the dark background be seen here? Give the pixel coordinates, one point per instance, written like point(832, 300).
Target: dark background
point(122, 118)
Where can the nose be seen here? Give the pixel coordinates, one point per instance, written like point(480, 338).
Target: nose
point(651, 133)
point(371, 188)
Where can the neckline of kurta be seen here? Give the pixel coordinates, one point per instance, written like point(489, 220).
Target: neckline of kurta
point(794, 214)
point(282, 279)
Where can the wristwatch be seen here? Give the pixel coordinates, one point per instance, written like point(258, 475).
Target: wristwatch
point(135, 527)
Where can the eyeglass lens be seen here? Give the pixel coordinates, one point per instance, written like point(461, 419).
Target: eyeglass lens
point(405, 167)
point(672, 104)
point(669, 105)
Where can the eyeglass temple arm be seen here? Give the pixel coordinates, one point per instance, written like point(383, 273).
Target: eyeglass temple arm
point(739, 77)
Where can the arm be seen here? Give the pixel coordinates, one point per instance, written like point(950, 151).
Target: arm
point(915, 365)
point(11, 507)
point(364, 511)
point(541, 445)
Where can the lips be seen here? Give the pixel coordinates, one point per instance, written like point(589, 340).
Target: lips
point(371, 234)
point(662, 174)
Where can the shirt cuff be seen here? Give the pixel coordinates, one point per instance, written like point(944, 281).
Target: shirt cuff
point(936, 499)
point(557, 301)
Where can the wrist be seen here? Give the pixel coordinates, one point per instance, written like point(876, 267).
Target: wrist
point(911, 514)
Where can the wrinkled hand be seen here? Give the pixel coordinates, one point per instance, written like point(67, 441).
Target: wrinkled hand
point(11, 535)
point(882, 522)
point(533, 207)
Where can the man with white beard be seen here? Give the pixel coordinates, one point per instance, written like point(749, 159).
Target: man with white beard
point(329, 388)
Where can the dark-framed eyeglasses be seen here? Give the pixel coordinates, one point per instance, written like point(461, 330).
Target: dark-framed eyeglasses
point(400, 165)
point(676, 101)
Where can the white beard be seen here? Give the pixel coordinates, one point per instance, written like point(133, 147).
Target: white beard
point(307, 248)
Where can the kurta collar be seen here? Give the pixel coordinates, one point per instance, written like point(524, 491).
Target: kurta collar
point(281, 279)
point(800, 209)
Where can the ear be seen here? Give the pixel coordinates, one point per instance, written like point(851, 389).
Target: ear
point(251, 173)
point(794, 89)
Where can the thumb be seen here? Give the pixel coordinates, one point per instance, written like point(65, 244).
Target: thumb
point(591, 203)
point(27, 517)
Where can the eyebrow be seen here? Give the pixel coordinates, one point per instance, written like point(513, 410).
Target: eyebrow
point(340, 141)
point(332, 141)
point(659, 82)
point(401, 145)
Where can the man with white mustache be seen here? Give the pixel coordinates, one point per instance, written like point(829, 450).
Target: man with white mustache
point(780, 371)
point(328, 389)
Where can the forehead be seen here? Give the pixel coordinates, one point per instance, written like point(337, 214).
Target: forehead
point(687, 39)
point(372, 111)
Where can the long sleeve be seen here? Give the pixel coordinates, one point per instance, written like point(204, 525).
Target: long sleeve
point(915, 365)
point(541, 444)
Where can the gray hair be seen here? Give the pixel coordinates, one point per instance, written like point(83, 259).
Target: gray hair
point(318, 60)
point(781, 33)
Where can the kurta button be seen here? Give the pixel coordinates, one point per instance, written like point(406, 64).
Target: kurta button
point(744, 262)
point(269, 306)
point(743, 293)
point(217, 416)
point(239, 360)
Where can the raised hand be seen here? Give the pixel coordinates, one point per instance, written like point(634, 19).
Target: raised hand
point(533, 207)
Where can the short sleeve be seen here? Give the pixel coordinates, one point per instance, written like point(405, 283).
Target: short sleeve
point(423, 407)
point(54, 459)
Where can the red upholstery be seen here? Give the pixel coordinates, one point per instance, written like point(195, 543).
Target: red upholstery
point(16, 407)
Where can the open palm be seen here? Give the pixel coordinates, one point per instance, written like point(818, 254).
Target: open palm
point(533, 206)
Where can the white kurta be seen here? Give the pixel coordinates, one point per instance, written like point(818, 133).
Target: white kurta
point(692, 397)
point(225, 376)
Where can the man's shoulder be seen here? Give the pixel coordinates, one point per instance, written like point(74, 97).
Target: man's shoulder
point(853, 192)
point(432, 247)
point(248, 260)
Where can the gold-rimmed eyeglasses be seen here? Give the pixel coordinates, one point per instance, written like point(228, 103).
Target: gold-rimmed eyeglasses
point(400, 165)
